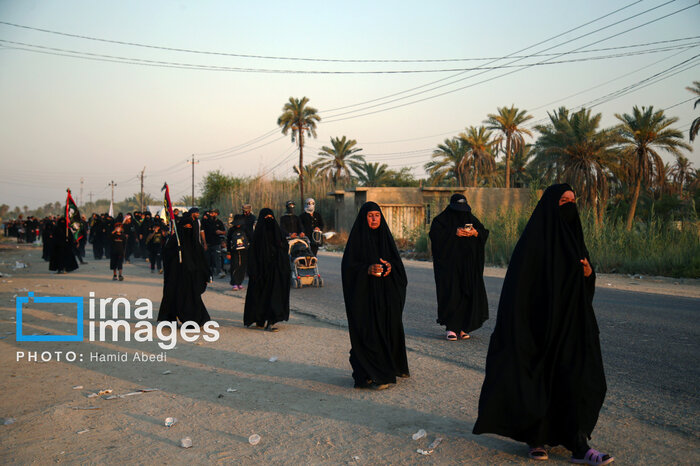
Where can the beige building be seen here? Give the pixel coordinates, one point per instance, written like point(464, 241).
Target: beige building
point(407, 209)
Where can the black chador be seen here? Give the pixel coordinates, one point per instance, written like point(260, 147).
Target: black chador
point(544, 379)
point(62, 257)
point(374, 288)
point(267, 298)
point(458, 238)
point(184, 282)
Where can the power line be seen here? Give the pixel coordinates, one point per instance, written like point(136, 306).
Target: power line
point(190, 66)
point(331, 120)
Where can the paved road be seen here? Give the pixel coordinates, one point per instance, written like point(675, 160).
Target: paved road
point(650, 342)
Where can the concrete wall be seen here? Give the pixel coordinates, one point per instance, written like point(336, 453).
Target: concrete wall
point(406, 209)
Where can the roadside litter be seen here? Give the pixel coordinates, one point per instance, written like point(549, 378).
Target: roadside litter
point(170, 421)
point(186, 442)
point(419, 435)
point(254, 439)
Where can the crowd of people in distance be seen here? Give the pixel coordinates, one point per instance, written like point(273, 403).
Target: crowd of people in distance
point(544, 379)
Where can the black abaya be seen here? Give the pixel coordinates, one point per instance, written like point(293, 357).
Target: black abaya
point(374, 305)
point(62, 257)
point(184, 282)
point(267, 298)
point(544, 379)
point(458, 266)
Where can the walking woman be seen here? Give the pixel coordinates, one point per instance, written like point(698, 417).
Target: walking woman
point(267, 298)
point(544, 381)
point(457, 238)
point(374, 288)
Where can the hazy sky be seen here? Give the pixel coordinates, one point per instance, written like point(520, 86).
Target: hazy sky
point(117, 107)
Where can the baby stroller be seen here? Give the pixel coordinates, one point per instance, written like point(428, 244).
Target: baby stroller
point(303, 263)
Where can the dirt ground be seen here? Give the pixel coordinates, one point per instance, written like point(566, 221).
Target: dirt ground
point(292, 388)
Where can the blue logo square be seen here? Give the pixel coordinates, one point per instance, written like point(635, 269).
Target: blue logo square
point(47, 299)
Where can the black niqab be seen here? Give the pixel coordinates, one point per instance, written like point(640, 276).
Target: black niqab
point(374, 305)
point(458, 266)
point(267, 298)
point(184, 282)
point(544, 379)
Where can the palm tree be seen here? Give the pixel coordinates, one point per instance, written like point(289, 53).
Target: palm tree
point(342, 157)
point(509, 122)
point(299, 118)
point(481, 147)
point(644, 134)
point(571, 148)
point(373, 174)
point(522, 172)
point(681, 172)
point(695, 125)
point(450, 160)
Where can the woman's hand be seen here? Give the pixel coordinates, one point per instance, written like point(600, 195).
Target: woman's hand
point(587, 269)
point(375, 270)
point(387, 267)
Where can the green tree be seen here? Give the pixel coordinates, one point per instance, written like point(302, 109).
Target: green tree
point(340, 159)
point(373, 174)
point(695, 125)
point(300, 119)
point(681, 171)
point(509, 122)
point(644, 133)
point(573, 148)
point(450, 162)
point(481, 146)
point(215, 186)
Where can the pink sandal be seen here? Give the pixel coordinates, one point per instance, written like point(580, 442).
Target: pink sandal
point(451, 336)
point(593, 457)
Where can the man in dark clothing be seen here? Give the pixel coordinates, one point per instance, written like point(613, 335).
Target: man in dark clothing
point(130, 233)
point(237, 243)
point(249, 220)
point(214, 231)
point(312, 224)
point(144, 231)
point(289, 222)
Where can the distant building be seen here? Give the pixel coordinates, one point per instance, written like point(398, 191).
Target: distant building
point(406, 209)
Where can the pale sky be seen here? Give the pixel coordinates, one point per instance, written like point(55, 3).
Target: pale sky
point(108, 114)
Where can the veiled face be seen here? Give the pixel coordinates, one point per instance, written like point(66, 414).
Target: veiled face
point(374, 219)
point(568, 196)
point(269, 216)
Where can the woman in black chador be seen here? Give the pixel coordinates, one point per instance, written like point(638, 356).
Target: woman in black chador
point(267, 299)
point(544, 381)
point(62, 259)
point(458, 238)
point(374, 288)
point(184, 282)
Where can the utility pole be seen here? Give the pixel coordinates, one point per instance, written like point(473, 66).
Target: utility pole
point(90, 194)
point(141, 176)
point(112, 184)
point(193, 163)
point(81, 191)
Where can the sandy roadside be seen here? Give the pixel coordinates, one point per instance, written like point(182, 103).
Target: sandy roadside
point(302, 404)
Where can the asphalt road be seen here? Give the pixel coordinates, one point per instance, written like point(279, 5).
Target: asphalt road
point(650, 342)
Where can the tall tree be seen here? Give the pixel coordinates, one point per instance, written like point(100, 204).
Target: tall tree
point(373, 174)
point(481, 146)
point(300, 119)
point(573, 149)
point(509, 122)
point(644, 133)
point(340, 159)
point(450, 160)
point(695, 125)
point(681, 171)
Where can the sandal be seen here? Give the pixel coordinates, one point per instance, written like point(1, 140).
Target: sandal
point(538, 453)
point(451, 336)
point(464, 336)
point(593, 457)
